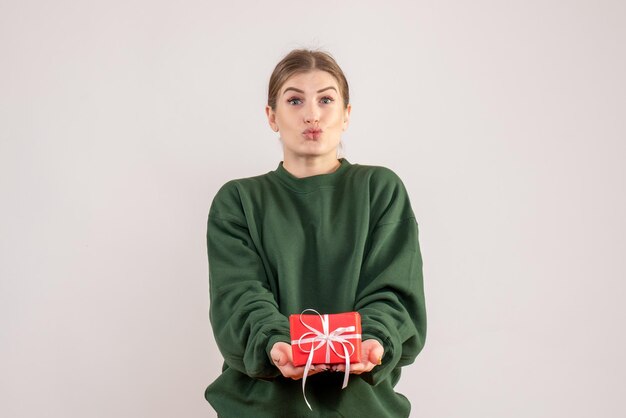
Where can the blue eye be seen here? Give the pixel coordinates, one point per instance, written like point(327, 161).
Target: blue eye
point(294, 99)
point(327, 100)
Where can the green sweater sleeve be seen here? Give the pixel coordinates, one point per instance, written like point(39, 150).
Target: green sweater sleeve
point(390, 295)
point(243, 311)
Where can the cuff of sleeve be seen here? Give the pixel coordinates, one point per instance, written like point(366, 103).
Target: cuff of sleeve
point(390, 360)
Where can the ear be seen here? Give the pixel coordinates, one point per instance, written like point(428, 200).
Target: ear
point(271, 118)
point(346, 116)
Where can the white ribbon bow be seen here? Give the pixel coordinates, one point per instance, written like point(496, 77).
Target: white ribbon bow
point(325, 337)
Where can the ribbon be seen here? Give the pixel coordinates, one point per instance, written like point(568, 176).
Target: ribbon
point(326, 337)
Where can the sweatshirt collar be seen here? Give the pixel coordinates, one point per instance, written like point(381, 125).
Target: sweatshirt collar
point(311, 183)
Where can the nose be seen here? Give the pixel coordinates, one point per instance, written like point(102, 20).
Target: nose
point(311, 114)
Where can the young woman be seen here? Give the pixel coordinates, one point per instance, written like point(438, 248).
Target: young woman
point(318, 232)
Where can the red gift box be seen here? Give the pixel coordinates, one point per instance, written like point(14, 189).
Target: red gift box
point(331, 337)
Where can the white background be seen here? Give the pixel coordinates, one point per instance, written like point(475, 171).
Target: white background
point(121, 119)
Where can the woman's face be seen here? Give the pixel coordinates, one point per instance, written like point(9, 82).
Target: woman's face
point(310, 116)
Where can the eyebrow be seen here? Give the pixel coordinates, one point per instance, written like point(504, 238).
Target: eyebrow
point(302, 91)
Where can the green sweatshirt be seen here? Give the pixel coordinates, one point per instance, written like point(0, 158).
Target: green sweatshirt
point(338, 242)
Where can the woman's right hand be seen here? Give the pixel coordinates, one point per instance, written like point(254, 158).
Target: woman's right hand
point(282, 357)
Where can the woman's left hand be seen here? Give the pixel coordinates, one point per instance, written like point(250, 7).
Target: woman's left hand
point(371, 356)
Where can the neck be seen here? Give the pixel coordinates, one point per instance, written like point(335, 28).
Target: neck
point(307, 167)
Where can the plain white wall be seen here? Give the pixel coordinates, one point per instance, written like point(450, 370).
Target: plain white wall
point(121, 119)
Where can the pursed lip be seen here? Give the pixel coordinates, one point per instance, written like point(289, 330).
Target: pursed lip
point(312, 131)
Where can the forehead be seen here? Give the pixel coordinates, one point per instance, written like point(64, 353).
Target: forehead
point(311, 81)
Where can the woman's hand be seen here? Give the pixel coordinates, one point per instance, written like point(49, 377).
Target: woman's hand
point(371, 356)
point(283, 359)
